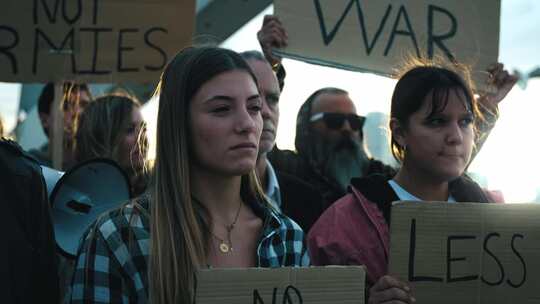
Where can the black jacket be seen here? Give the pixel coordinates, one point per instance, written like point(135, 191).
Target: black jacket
point(28, 266)
point(292, 163)
point(299, 200)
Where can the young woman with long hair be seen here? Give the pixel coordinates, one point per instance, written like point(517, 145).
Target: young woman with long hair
point(205, 208)
point(434, 119)
point(112, 127)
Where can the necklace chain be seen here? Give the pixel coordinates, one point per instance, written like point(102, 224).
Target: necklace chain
point(226, 247)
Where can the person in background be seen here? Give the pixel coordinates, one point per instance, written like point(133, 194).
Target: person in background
point(434, 123)
point(329, 139)
point(205, 207)
point(112, 127)
point(75, 97)
point(329, 145)
point(295, 198)
point(27, 259)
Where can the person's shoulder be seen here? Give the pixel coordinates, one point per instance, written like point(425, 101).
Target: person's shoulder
point(300, 200)
point(293, 184)
point(11, 146)
point(126, 223)
point(376, 190)
point(338, 210)
point(287, 161)
point(370, 194)
point(286, 224)
point(376, 167)
point(16, 160)
point(289, 178)
point(11, 149)
point(465, 189)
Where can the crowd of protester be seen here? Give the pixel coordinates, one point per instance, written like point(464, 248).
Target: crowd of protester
point(221, 194)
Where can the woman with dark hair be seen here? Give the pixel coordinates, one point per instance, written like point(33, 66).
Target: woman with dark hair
point(434, 118)
point(205, 207)
point(112, 127)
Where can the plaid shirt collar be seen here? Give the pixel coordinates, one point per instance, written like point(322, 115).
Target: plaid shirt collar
point(112, 260)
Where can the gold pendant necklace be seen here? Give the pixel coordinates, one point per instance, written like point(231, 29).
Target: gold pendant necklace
point(226, 247)
point(223, 247)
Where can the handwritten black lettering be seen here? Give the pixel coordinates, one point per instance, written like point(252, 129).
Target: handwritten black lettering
point(122, 49)
point(78, 11)
point(450, 259)
point(402, 13)
point(68, 41)
point(412, 253)
point(486, 249)
point(257, 299)
point(95, 15)
point(155, 47)
point(5, 49)
point(328, 37)
point(438, 39)
point(517, 285)
point(51, 15)
point(288, 298)
point(94, 69)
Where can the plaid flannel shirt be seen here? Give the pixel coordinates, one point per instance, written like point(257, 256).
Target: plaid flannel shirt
point(112, 261)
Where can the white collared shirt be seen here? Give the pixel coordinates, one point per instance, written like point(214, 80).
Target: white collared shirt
point(404, 195)
point(272, 186)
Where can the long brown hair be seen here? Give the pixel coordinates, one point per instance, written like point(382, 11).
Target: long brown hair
point(101, 127)
point(178, 225)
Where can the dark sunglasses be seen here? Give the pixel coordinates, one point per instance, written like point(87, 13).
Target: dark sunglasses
point(335, 121)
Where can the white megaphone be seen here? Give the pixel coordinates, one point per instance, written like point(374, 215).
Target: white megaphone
point(80, 195)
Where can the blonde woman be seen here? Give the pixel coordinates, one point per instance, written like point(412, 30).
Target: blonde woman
point(206, 208)
point(112, 127)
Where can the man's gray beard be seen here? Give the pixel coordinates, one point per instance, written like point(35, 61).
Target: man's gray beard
point(341, 160)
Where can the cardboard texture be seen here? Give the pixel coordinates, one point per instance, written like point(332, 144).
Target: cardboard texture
point(317, 285)
point(467, 253)
point(377, 36)
point(91, 41)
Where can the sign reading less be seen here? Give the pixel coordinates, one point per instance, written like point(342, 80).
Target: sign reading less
point(467, 252)
point(94, 40)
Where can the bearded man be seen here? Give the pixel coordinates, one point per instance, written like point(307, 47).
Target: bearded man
point(329, 145)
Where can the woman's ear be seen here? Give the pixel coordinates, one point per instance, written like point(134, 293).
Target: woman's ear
point(398, 132)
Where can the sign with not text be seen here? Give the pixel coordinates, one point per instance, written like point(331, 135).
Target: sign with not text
point(91, 40)
point(313, 285)
point(467, 253)
point(377, 36)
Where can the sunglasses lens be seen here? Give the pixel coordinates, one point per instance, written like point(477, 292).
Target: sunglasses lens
point(334, 120)
point(355, 122)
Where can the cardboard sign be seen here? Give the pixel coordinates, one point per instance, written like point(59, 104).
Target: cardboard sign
point(467, 253)
point(91, 40)
point(313, 285)
point(377, 36)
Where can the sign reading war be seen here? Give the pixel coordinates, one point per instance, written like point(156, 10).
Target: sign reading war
point(377, 36)
point(91, 40)
point(467, 253)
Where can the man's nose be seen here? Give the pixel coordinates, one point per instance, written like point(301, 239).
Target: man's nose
point(265, 110)
point(346, 126)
